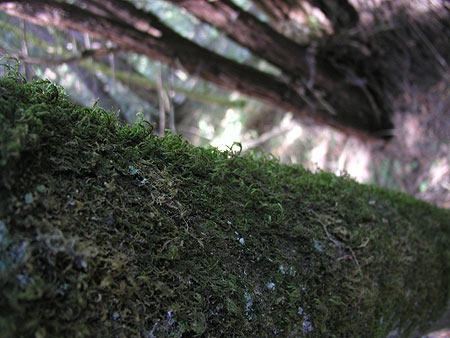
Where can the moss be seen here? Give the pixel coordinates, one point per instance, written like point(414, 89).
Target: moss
point(108, 230)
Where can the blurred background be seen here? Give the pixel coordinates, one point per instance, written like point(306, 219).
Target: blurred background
point(415, 160)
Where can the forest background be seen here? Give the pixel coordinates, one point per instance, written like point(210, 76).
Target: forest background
point(414, 158)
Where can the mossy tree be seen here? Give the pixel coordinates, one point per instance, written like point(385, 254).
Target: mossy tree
point(109, 230)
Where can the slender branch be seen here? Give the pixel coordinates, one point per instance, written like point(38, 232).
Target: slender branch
point(274, 132)
point(86, 54)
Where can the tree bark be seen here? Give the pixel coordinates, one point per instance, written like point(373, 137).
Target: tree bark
point(314, 71)
point(340, 13)
point(248, 31)
point(327, 98)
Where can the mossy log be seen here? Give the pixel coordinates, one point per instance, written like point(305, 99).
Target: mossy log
point(107, 230)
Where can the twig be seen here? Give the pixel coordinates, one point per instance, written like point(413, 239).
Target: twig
point(339, 244)
point(88, 53)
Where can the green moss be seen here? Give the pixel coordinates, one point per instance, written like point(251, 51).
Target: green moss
point(108, 230)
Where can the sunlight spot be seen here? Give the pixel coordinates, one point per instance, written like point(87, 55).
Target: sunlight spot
point(205, 127)
point(295, 130)
point(293, 134)
point(50, 74)
point(412, 130)
point(289, 131)
point(145, 27)
point(181, 75)
point(421, 6)
point(319, 154)
point(357, 167)
point(232, 127)
point(355, 160)
point(234, 95)
point(440, 172)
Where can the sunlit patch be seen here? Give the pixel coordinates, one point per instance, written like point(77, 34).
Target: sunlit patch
point(355, 160)
point(319, 154)
point(421, 6)
point(290, 130)
point(206, 127)
point(294, 133)
point(181, 75)
point(145, 27)
point(232, 127)
point(439, 173)
point(412, 130)
point(50, 74)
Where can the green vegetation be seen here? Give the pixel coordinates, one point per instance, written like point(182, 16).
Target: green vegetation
point(109, 230)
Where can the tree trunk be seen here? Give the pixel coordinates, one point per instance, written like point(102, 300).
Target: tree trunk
point(326, 98)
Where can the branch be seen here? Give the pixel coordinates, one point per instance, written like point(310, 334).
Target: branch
point(166, 46)
point(241, 27)
point(271, 134)
point(85, 54)
point(143, 33)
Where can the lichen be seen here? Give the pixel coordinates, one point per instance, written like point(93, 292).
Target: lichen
point(109, 230)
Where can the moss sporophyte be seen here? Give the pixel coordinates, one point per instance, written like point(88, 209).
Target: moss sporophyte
point(110, 231)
